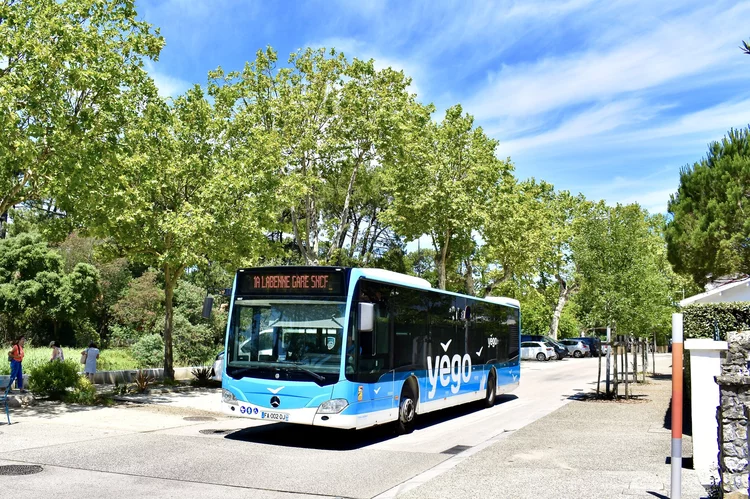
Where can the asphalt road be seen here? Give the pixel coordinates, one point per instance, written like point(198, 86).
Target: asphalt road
point(151, 450)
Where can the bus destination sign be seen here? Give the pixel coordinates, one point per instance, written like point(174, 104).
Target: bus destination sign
point(292, 282)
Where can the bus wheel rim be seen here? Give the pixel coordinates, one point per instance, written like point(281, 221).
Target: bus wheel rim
point(407, 410)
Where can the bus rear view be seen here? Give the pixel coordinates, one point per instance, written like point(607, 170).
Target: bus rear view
point(352, 348)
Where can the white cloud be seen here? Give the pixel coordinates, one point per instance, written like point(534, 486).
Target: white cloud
point(651, 192)
point(643, 62)
point(593, 121)
point(168, 86)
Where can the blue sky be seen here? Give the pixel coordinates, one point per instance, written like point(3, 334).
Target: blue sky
point(605, 98)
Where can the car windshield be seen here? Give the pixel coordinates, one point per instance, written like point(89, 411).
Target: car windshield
point(301, 339)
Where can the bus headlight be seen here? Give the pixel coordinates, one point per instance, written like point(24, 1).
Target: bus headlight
point(228, 397)
point(333, 406)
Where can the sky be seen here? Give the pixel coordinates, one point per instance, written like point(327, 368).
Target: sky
point(609, 99)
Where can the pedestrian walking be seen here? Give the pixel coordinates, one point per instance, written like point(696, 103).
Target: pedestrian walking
point(16, 367)
point(57, 353)
point(88, 358)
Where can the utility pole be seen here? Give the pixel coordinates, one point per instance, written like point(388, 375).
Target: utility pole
point(609, 354)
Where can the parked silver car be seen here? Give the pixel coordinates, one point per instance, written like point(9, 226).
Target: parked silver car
point(576, 348)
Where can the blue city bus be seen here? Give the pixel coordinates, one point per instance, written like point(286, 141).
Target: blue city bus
point(352, 348)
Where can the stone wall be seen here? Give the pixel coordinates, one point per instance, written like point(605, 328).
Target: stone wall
point(732, 416)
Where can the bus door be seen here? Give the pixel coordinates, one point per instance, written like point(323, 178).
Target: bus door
point(375, 391)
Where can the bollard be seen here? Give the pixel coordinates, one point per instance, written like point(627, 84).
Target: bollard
point(676, 484)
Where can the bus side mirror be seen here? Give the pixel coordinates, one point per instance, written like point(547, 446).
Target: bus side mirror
point(208, 304)
point(366, 317)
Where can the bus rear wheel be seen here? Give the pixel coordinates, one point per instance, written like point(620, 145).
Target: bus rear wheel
point(407, 412)
point(489, 399)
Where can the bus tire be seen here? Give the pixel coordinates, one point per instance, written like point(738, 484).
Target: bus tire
point(489, 399)
point(407, 411)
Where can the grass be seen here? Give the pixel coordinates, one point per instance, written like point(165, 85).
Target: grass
point(110, 359)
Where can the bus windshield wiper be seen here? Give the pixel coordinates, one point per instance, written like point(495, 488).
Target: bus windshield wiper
point(297, 368)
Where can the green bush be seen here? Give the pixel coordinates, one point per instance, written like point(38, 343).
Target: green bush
point(701, 320)
point(84, 393)
point(85, 333)
point(53, 378)
point(149, 351)
point(122, 336)
point(194, 345)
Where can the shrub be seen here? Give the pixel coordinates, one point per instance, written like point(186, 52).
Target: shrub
point(53, 378)
point(149, 351)
point(85, 333)
point(193, 345)
point(202, 375)
point(701, 320)
point(83, 393)
point(122, 336)
point(143, 380)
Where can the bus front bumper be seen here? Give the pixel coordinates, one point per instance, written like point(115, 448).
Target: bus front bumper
point(306, 415)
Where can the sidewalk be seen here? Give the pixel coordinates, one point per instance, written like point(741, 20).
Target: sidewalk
point(586, 449)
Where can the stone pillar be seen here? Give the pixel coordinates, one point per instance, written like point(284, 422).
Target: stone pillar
point(734, 384)
point(705, 365)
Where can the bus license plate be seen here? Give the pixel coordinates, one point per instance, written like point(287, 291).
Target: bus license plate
point(276, 416)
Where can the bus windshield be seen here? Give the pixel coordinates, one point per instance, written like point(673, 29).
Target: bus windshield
point(303, 339)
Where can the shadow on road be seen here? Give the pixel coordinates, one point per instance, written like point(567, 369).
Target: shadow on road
point(313, 437)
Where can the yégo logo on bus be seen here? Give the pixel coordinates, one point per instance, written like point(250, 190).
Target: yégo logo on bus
point(446, 369)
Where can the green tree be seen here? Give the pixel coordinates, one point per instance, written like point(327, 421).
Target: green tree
point(441, 183)
point(337, 121)
point(557, 262)
point(71, 78)
point(516, 230)
point(37, 297)
point(708, 233)
point(626, 281)
point(192, 181)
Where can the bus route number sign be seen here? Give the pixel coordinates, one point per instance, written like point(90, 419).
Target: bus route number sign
point(307, 283)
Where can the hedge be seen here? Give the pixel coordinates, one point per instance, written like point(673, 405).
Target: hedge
point(701, 320)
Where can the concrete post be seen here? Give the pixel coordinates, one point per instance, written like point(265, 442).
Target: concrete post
point(705, 365)
point(676, 463)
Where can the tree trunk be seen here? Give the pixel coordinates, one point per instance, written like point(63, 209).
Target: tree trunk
point(170, 280)
point(355, 234)
point(469, 278)
point(337, 241)
point(295, 230)
point(562, 299)
point(443, 252)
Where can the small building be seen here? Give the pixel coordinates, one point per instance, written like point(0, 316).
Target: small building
point(735, 290)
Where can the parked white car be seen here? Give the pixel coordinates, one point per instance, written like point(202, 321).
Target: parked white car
point(577, 348)
point(218, 367)
point(538, 350)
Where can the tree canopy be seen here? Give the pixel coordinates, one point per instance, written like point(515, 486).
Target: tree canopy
point(71, 78)
point(708, 233)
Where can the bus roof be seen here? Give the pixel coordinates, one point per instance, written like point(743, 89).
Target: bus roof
point(502, 300)
point(395, 277)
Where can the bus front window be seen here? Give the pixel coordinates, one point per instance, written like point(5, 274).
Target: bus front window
point(302, 337)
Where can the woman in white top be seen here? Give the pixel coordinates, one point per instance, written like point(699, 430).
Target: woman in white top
point(57, 353)
point(92, 353)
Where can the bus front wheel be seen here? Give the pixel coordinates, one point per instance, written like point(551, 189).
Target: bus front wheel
point(407, 412)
